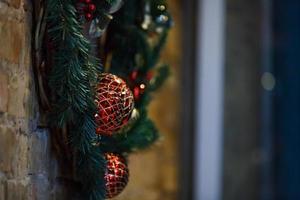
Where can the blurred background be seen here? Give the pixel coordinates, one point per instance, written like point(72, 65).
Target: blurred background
point(230, 112)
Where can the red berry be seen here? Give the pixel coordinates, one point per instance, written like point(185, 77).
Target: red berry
point(91, 7)
point(136, 93)
point(88, 16)
point(87, 1)
point(134, 75)
point(149, 76)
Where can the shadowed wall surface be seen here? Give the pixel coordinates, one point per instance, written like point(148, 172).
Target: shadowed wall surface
point(242, 90)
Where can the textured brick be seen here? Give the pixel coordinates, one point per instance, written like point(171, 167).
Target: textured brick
point(2, 186)
point(14, 3)
point(41, 187)
point(41, 161)
point(7, 150)
point(28, 169)
point(11, 34)
point(3, 91)
point(13, 153)
point(20, 161)
point(18, 86)
point(19, 189)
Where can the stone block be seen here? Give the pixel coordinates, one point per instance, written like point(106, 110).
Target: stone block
point(19, 189)
point(3, 91)
point(14, 3)
point(41, 187)
point(13, 153)
point(12, 36)
point(20, 160)
point(26, 49)
point(2, 185)
point(41, 161)
point(8, 143)
point(18, 85)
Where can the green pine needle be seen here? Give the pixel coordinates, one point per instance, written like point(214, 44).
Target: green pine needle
point(73, 73)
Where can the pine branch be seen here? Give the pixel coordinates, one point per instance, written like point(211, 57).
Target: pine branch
point(131, 50)
point(141, 136)
point(73, 73)
point(88, 170)
point(163, 72)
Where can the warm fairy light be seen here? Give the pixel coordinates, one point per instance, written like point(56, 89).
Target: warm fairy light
point(142, 86)
point(161, 7)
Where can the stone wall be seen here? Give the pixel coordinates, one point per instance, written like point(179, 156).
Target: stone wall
point(27, 167)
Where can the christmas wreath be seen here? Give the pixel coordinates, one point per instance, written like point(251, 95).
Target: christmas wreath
point(95, 82)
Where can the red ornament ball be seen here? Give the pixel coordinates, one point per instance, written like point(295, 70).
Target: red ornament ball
point(116, 174)
point(115, 103)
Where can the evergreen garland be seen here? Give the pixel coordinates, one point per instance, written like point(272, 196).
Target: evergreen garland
point(74, 73)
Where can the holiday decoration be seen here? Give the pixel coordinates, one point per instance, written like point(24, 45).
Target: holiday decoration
point(134, 75)
point(88, 16)
point(93, 107)
point(86, 8)
point(91, 7)
point(116, 174)
point(114, 102)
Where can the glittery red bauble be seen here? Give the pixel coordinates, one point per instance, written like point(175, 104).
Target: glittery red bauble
point(116, 174)
point(115, 103)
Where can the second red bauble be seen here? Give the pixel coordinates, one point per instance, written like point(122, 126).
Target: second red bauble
point(115, 102)
point(116, 174)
